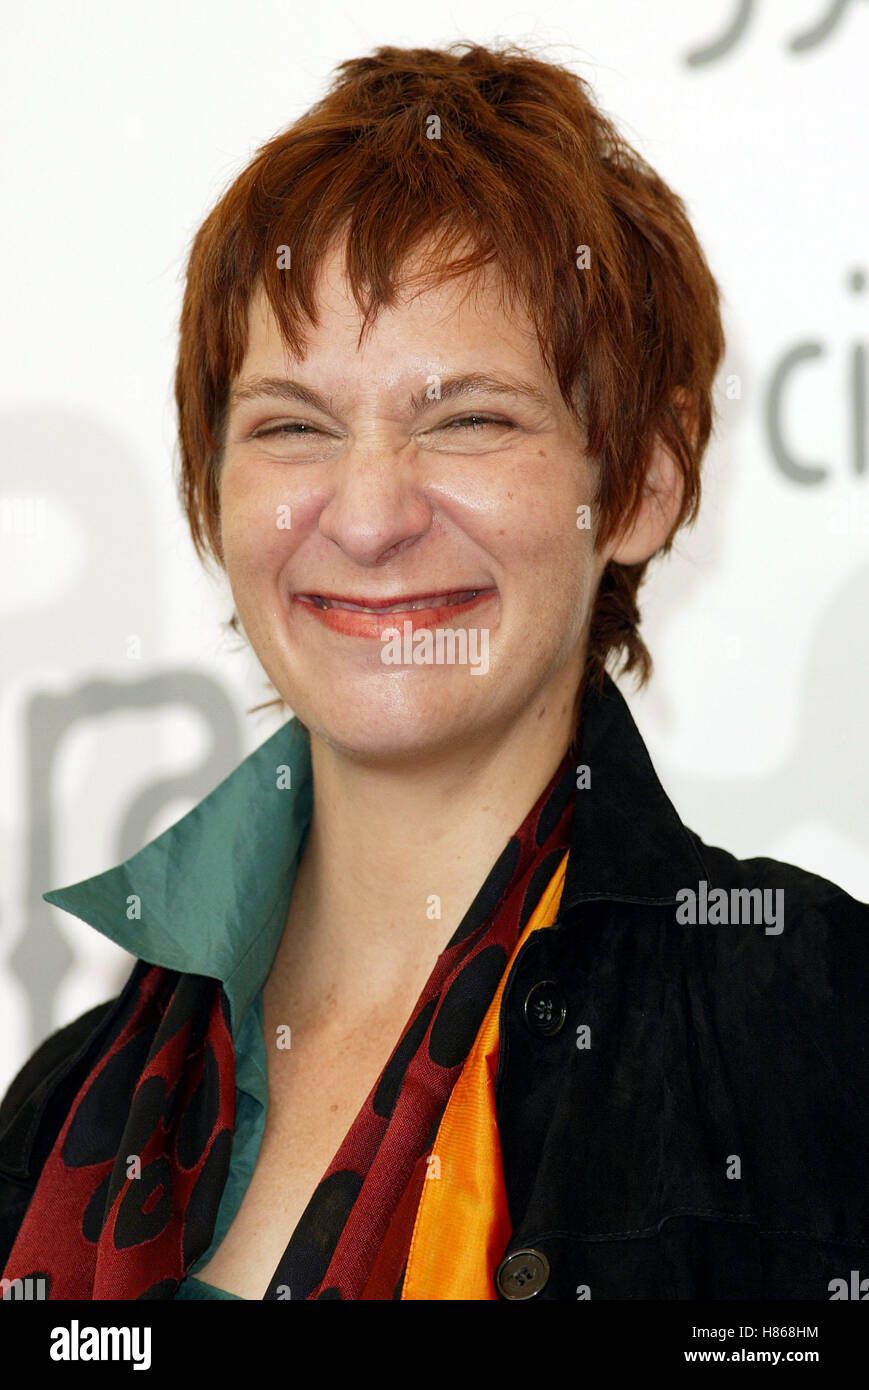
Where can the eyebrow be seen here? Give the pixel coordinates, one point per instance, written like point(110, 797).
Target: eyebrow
point(451, 387)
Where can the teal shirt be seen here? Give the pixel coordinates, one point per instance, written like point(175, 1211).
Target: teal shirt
point(210, 897)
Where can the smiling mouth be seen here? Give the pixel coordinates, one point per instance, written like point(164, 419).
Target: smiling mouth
point(408, 605)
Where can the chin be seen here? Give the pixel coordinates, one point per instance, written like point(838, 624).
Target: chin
point(368, 726)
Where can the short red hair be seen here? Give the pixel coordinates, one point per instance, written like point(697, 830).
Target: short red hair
point(526, 170)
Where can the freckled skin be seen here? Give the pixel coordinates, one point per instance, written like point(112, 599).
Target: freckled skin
point(384, 502)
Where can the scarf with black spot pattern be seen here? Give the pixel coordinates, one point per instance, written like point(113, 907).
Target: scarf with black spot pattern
point(127, 1199)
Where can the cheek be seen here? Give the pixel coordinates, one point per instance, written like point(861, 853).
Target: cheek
point(555, 560)
point(256, 527)
point(536, 534)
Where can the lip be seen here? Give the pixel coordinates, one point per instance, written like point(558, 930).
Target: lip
point(355, 623)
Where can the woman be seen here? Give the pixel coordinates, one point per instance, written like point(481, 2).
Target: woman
point(418, 1011)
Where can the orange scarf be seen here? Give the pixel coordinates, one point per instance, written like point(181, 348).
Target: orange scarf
point(462, 1224)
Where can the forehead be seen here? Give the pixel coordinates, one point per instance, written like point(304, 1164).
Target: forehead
point(428, 323)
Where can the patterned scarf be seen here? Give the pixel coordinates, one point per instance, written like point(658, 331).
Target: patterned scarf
point(127, 1200)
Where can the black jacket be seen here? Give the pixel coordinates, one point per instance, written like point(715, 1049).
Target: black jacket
point(683, 1106)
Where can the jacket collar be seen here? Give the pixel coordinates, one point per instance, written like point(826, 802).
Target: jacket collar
point(627, 841)
point(212, 891)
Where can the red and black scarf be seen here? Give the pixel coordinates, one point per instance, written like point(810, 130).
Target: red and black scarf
point(127, 1200)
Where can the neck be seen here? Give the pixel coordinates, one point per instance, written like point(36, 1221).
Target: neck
point(394, 858)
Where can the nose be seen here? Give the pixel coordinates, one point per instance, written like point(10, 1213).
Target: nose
point(378, 505)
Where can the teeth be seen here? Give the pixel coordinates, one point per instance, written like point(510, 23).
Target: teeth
point(430, 601)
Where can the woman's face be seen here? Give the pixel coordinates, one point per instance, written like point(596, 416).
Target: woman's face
point(358, 483)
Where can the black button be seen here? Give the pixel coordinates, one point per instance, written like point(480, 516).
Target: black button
point(522, 1274)
point(545, 1009)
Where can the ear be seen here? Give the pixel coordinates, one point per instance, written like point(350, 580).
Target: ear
point(662, 498)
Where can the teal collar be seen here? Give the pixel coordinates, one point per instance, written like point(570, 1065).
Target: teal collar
point(210, 895)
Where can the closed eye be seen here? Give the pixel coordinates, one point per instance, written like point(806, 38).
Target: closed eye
point(472, 421)
point(480, 420)
point(283, 429)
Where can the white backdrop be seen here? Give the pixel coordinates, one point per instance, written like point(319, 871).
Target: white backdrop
point(121, 701)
